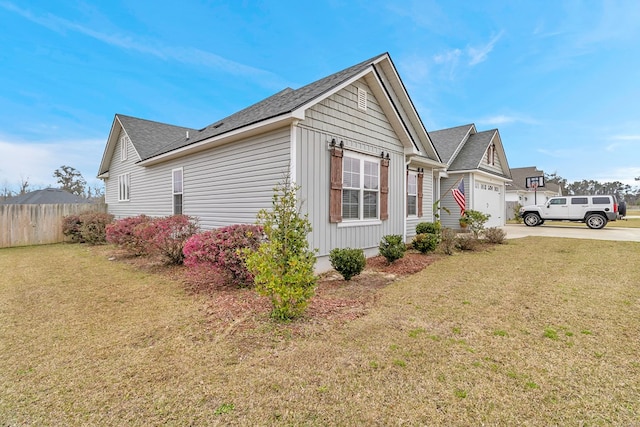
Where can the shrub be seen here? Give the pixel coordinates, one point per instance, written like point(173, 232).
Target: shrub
point(495, 235)
point(348, 262)
point(467, 243)
point(448, 241)
point(222, 250)
point(123, 233)
point(93, 227)
point(476, 221)
point(392, 247)
point(428, 228)
point(166, 236)
point(283, 264)
point(71, 228)
point(425, 242)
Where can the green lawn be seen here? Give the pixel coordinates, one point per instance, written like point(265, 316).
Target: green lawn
point(534, 332)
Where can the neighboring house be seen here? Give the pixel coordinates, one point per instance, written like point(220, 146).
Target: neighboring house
point(353, 141)
point(47, 196)
point(479, 159)
point(518, 193)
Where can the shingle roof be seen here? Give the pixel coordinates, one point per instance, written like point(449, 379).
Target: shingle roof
point(48, 196)
point(276, 105)
point(146, 135)
point(472, 153)
point(448, 140)
point(519, 176)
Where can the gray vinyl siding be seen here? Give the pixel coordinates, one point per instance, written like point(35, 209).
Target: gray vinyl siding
point(427, 205)
point(366, 132)
point(222, 186)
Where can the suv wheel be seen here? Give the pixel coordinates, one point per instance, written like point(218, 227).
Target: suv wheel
point(531, 219)
point(596, 221)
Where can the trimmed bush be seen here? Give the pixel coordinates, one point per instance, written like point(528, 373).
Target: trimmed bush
point(222, 249)
point(392, 247)
point(448, 241)
point(425, 242)
point(87, 227)
point(122, 233)
point(93, 227)
point(71, 228)
point(428, 228)
point(166, 236)
point(467, 242)
point(348, 262)
point(494, 235)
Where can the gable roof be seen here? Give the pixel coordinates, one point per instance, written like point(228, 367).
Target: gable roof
point(161, 141)
point(449, 141)
point(48, 196)
point(463, 148)
point(519, 176)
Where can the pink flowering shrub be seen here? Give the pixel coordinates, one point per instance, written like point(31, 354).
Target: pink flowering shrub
point(166, 236)
point(123, 233)
point(220, 251)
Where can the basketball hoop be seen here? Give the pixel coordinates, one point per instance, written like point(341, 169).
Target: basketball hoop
point(534, 185)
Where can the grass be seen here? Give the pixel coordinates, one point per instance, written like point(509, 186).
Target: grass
point(489, 337)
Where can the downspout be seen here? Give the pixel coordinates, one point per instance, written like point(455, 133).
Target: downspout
point(404, 198)
point(293, 152)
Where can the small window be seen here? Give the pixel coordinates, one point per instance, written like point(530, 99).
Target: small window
point(124, 146)
point(412, 194)
point(362, 99)
point(561, 201)
point(123, 187)
point(601, 201)
point(177, 190)
point(579, 201)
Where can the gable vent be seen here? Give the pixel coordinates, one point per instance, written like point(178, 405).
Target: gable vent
point(362, 99)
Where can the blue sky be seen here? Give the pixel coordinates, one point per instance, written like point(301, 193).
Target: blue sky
point(559, 79)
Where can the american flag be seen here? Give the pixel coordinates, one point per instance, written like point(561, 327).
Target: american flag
point(458, 195)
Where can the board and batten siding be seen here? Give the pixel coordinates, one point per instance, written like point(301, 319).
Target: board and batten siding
point(364, 132)
point(452, 219)
point(427, 205)
point(221, 186)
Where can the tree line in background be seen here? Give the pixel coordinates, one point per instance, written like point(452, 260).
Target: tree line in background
point(623, 192)
point(68, 179)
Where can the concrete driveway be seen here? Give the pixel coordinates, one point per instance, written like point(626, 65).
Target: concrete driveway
point(515, 231)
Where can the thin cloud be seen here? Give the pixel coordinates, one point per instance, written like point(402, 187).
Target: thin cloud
point(117, 39)
point(621, 141)
point(504, 119)
point(480, 54)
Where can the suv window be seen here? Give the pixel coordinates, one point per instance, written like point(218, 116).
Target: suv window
point(579, 201)
point(601, 200)
point(562, 201)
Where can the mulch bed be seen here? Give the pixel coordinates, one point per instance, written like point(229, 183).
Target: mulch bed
point(231, 310)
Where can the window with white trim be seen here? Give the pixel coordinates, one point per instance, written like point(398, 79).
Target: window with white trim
point(360, 188)
point(124, 187)
point(412, 194)
point(177, 190)
point(124, 146)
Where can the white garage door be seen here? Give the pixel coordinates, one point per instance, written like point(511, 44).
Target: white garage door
point(487, 199)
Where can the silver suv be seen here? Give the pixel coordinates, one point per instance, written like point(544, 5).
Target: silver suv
point(595, 211)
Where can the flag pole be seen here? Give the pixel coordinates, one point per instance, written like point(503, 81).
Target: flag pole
point(437, 202)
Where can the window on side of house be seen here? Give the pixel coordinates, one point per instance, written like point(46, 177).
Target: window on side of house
point(177, 190)
point(124, 146)
point(412, 194)
point(124, 187)
point(360, 188)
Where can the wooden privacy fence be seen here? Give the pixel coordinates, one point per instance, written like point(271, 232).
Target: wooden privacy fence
point(22, 225)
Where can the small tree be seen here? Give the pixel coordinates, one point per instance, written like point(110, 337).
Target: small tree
point(283, 265)
point(476, 221)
